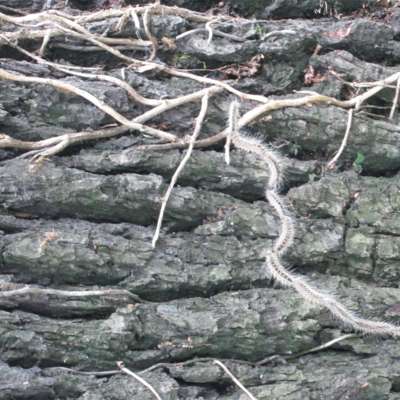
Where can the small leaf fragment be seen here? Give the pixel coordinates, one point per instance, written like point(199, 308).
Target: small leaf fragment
point(360, 158)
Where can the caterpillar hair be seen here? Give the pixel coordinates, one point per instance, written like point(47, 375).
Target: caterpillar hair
point(285, 240)
point(274, 266)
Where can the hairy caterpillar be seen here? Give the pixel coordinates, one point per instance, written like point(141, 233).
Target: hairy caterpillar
point(273, 264)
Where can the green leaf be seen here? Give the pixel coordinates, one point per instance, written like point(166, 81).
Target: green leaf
point(360, 158)
point(311, 177)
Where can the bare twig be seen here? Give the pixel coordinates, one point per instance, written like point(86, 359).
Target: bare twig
point(249, 395)
point(8, 289)
point(67, 88)
point(332, 163)
point(215, 32)
point(135, 18)
point(138, 378)
point(153, 40)
point(322, 347)
point(80, 32)
point(212, 359)
point(275, 33)
point(118, 82)
point(199, 124)
point(13, 10)
point(45, 42)
point(210, 31)
point(57, 30)
point(92, 48)
point(7, 141)
point(396, 98)
point(165, 104)
point(171, 103)
point(272, 105)
point(155, 9)
point(77, 372)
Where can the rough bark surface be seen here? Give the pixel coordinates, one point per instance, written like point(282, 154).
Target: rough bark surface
point(85, 219)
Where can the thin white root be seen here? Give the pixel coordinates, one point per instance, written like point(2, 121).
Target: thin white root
point(248, 394)
point(396, 99)
point(8, 289)
point(138, 378)
point(199, 124)
point(332, 163)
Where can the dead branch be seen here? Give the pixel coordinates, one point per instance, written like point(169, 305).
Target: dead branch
point(8, 289)
point(68, 88)
point(138, 378)
point(229, 373)
point(332, 163)
point(272, 105)
point(197, 129)
point(396, 99)
point(152, 39)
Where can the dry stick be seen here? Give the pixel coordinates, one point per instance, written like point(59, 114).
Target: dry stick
point(45, 42)
point(210, 31)
point(54, 145)
point(313, 350)
point(166, 104)
point(396, 98)
point(153, 40)
point(67, 88)
point(322, 347)
point(206, 359)
point(135, 19)
point(42, 61)
point(272, 105)
point(163, 104)
point(118, 82)
point(92, 38)
point(13, 10)
point(215, 32)
point(137, 377)
point(69, 293)
point(242, 95)
point(35, 34)
point(65, 140)
point(155, 9)
point(171, 103)
point(96, 373)
point(199, 124)
point(99, 41)
point(122, 22)
point(283, 32)
point(85, 34)
point(332, 163)
point(249, 395)
point(7, 141)
point(89, 49)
